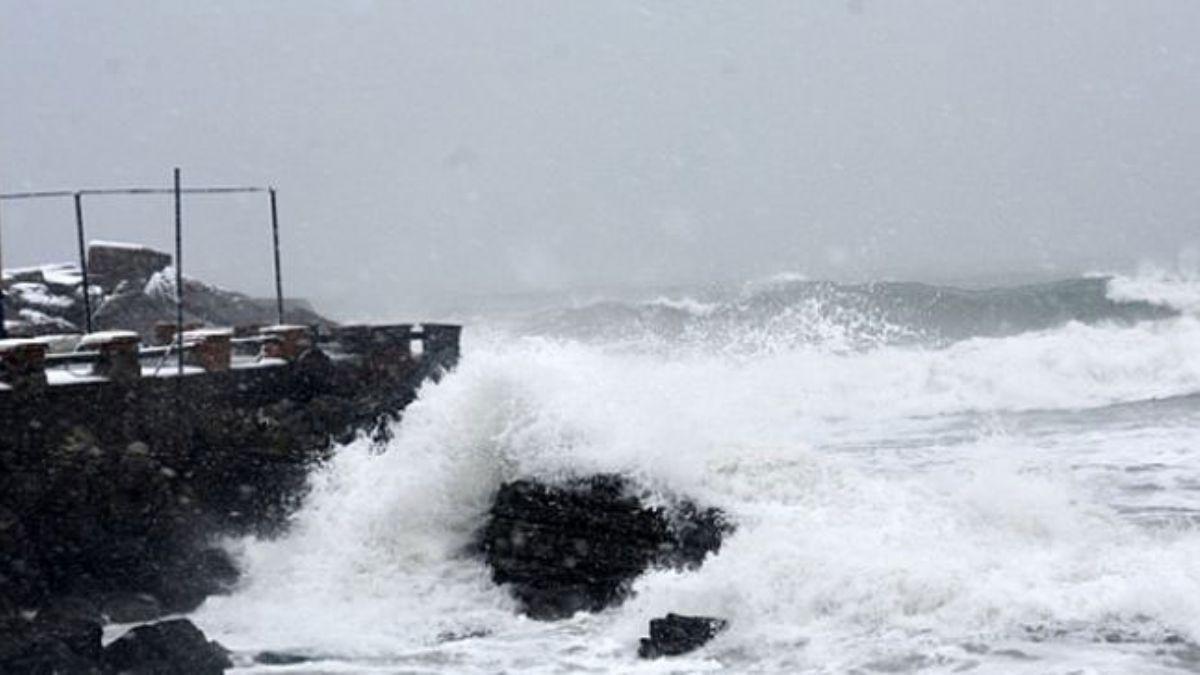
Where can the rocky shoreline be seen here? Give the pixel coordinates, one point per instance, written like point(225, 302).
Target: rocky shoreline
point(113, 495)
point(114, 492)
point(118, 514)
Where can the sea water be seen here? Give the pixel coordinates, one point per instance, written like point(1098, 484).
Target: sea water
point(924, 480)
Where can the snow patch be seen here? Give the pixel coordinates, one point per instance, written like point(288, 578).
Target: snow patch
point(39, 295)
point(123, 245)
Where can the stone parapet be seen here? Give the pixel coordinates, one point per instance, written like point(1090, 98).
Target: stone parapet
point(384, 348)
point(286, 341)
point(209, 348)
point(118, 354)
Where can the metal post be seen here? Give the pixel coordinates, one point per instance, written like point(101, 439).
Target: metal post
point(178, 274)
point(83, 265)
point(275, 242)
point(3, 329)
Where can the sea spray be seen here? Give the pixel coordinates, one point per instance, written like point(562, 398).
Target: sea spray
point(1016, 503)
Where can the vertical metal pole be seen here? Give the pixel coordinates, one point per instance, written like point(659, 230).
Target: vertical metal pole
point(3, 330)
point(83, 265)
point(275, 243)
point(178, 274)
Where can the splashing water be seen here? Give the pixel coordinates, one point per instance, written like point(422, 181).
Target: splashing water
point(1019, 501)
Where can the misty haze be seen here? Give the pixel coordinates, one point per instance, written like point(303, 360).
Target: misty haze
point(447, 337)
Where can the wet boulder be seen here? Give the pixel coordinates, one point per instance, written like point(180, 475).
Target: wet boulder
point(63, 638)
point(185, 580)
point(577, 546)
point(21, 653)
point(131, 607)
point(21, 577)
point(79, 632)
point(279, 658)
point(677, 634)
point(167, 648)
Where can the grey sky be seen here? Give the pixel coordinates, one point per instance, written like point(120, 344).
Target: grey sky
point(427, 150)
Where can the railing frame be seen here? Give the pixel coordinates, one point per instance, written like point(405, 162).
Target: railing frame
point(176, 191)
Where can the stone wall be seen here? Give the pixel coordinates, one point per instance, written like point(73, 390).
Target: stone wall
point(110, 489)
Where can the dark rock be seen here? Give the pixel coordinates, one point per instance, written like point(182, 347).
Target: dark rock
point(166, 648)
point(132, 309)
point(131, 607)
point(578, 546)
point(79, 633)
point(42, 656)
point(115, 262)
point(70, 607)
point(8, 609)
point(100, 515)
point(464, 634)
point(279, 659)
point(59, 640)
point(28, 275)
point(677, 634)
point(21, 578)
point(186, 581)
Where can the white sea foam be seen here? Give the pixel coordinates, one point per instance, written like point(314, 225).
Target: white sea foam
point(1178, 289)
point(899, 508)
point(686, 304)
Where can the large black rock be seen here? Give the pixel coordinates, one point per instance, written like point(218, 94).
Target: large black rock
point(166, 648)
point(676, 634)
point(579, 545)
point(64, 639)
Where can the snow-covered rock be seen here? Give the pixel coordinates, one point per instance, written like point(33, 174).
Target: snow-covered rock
point(116, 261)
point(132, 287)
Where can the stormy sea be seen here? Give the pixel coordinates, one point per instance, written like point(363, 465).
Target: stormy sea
point(923, 478)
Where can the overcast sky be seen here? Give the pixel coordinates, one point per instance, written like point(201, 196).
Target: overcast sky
point(425, 151)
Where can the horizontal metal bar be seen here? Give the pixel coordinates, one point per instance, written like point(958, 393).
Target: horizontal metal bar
point(164, 350)
point(32, 195)
point(169, 191)
point(66, 358)
point(133, 191)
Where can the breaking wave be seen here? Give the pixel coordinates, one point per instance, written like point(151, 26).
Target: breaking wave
point(977, 500)
point(785, 311)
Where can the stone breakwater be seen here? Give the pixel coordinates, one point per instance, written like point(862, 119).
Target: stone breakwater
point(114, 490)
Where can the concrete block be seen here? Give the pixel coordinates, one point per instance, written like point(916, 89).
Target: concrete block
point(118, 354)
point(209, 348)
point(286, 341)
point(23, 363)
